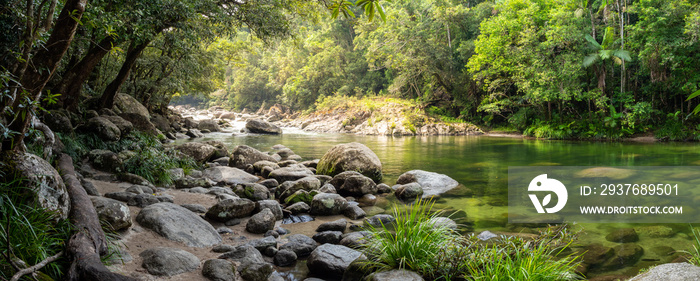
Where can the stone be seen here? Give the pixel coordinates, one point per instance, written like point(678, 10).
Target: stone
point(168, 261)
point(269, 183)
point(396, 275)
point(271, 233)
point(597, 253)
point(223, 248)
point(228, 175)
point(259, 126)
point(179, 224)
point(190, 182)
point(367, 200)
point(300, 244)
point(256, 271)
point(354, 239)
point(330, 237)
point(410, 191)
point(261, 222)
point(210, 125)
point(338, 180)
point(103, 129)
point(254, 191)
point(290, 187)
point(285, 258)
point(244, 155)
point(48, 189)
point(270, 251)
point(134, 179)
point(258, 166)
point(243, 254)
point(357, 185)
point(332, 260)
point(311, 163)
point(127, 104)
point(486, 235)
point(58, 121)
point(328, 188)
point(670, 271)
point(161, 123)
point(223, 161)
point(272, 205)
point(142, 200)
point(197, 208)
point(377, 221)
point(228, 116)
point(336, 225)
point(219, 270)
point(383, 188)
point(140, 123)
point(90, 188)
point(443, 222)
point(224, 230)
point(656, 231)
point(125, 127)
point(200, 152)
point(194, 133)
point(354, 212)
point(298, 208)
point(290, 174)
point(228, 209)
point(105, 160)
point(120, 196)
point(139, 189)
point(112, 212)
point(328, 204)
point(351, 157)
point(432, 183)
point(622, 235)
point(263, 243)
point(625, 255)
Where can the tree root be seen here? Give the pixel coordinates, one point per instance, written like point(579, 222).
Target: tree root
point(88, 243)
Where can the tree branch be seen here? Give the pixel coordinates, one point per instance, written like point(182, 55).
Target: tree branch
point(36, 267)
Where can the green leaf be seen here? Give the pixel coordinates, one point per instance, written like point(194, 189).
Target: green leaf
point(590, 60)
point(623, 55)
point(380, 9)
point(593, 42)
point(697, 93)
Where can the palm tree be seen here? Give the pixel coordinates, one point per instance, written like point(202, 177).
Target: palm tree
point(602, 53)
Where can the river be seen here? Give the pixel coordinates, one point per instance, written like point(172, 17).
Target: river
point(480, 164)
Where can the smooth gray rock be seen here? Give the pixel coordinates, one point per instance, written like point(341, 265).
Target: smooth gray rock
point(300, 244)
point(179, 224)
point(272, 205)
point(336, 225)
point(116, 214)
point(256, 271)
point(261, 222)
point(298, 208)
point(443, 222)
point(263, 243)
point(244, 253)
point(219, 270)
point(350, 157)
point(671, 272)
point(486, 235)
point(328, 204)
point(143, 200)
point(357, 185)
point(197, 208)
point(200, 152)
point(432, 183)
point(332, 260)
point(285, 258)
point(244, 155)
point(290, 174)
point(330, 237)
point(396, 275)
point(409, 191)
point(259, 126)
point(378, 220)
point(120, 196)
point(228, 175)
point(105, 160)
point(103, 128)
point(229, 209)
point(354, 212)
point(168, 261)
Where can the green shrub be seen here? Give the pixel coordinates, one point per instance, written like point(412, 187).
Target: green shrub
point(695, 253)
point(152, 163)
point(439, 253)
point(29, 233)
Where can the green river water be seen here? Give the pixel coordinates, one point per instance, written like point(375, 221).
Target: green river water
point(480, 164)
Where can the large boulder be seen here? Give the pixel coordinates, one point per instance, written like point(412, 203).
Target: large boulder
point(103, 129)
point(140, 122)
point(179, 224)
point(210, 125)
point(259, 126)
point(200, 152)
point(58, 121)
point(105, 160)
point(46, 184)
point(670, 271)
point(161, 122)
point(332, 260)
point(244, 155)
point(127, 104)
point(124, 126)
point(168, 261)
point(116, 214)
point(300, 244)
point(229, 209)
point(219, 270)
point(350, 157)
point(432, 183)
point(228, 175)
point(328, 204)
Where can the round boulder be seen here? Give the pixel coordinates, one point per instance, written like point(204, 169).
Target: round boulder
point(259, 126)
point(332, 260)
point(261, 222)
point(116, 214)
point(328, 204)
point(200, 152)
point(168, 261)
point(103, 128)
point(432, 183)
point(179, 224)
point(229, 209)
point(219, 270)
point(350, 157)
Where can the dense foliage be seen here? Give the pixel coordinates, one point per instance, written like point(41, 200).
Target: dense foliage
point(549, 68)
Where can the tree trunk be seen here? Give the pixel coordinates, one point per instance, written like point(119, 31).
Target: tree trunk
point(88, 242)
point(43, 66)
point(135, 50)
point(72, 82)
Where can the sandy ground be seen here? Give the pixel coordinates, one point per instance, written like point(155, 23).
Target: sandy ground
point(138, 239)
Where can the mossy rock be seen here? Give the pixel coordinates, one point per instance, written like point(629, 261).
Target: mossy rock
point(350, 157)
